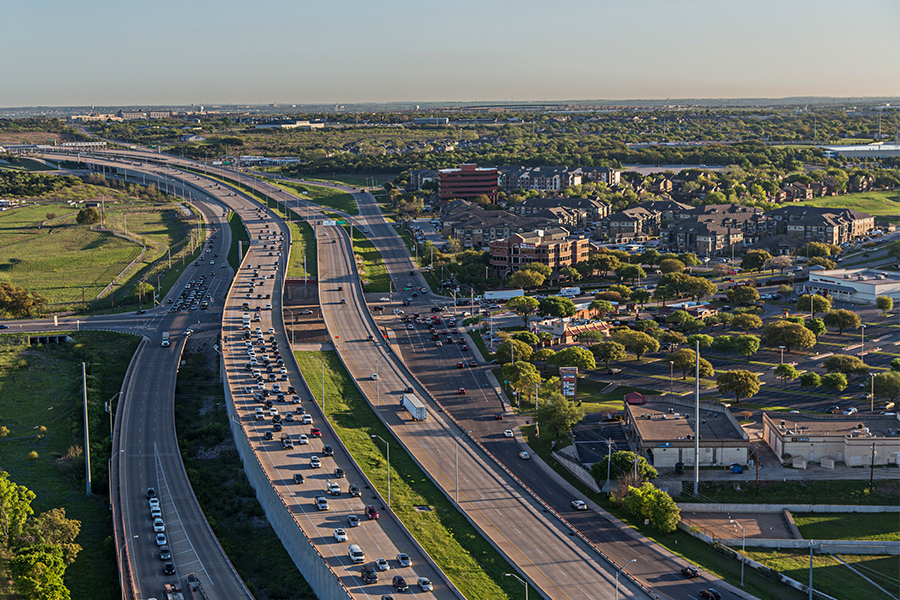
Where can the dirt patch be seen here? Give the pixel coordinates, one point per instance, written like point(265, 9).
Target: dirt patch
point(758, 525)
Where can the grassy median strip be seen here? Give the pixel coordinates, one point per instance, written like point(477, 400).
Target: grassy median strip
point(454, 544)
point(320, 195)
point(375, 274)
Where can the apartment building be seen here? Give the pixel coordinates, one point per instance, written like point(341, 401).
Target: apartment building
point(828, 225)
point(590, 210)
point(552, 247)
point(630, 223)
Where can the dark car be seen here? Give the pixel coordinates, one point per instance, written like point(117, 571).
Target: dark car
point(372, 512)
point(169, 568)
point(710, 594)
point(690, 572)
point(339, 473)
point(400, 584)
point(354, 490)
point(498, 416)
point(298, 478)
point(165, 553)
point(327, 450)
point(269, 435)
point(151, 493)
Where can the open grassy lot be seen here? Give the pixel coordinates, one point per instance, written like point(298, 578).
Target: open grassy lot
point(885, 204)
point(805, 492)
point(832, 577)
point(467, 559)
point(356, 180)
point(303, 243)
point(41, 405)
point(25, 164)
point(372, 269)
point(323, 196)
point(849, 526)
point(226, 496)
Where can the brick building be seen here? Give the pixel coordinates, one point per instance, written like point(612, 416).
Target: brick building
point(553, 247)
point(467, 182)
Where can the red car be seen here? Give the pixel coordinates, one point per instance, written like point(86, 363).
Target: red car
point(315, 432)
point(372, 512)
point(462, 391)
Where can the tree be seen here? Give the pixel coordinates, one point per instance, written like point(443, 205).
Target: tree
point(813, 304)
point(835, 381)
point(590, 337)
point(37, 573)
point(755, 260)
point(814, 249)
point(18, 301)
point(821, 261)
point(685, 360)
point(746, 322)
point(632, 272)
point(810, 380)
point(522, 376)
point(705, 340)
point(689, 259)
point(746, 345)
point(53, 528)
point(559, 413)
point(787, 334)
point(88, 216)
point(895, 365)
point(885, 304)
point(513, 348)
point(723, 344)
point(15, 508)
point(541, 268)
point(650, 257)
point(638, 343)
point(664, 512)
point(816, 326)
point(608, 351)
point(603, 307)
point(623, 290)
point(721, 269)
point(641, 296)
point(743, 294)
point(786, 373)
point(842, 319)
point(526, 279)
point(671, 265)
point(524, 306)
point(602, 261)
point(698, 287)
point(621, 461)
point(743, 384)
point(569, 274)
point(779, 262)
point(887, 385)
point(557, 307)
point(664, 336)
point(543, 355)
point(574, 356)
point(844, 363)
point(527, 337)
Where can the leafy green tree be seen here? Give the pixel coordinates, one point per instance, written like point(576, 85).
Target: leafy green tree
point(816, 326)
point(603, 307)
point(544, 355)
point(632, 272)
point(638, 343)
point(15, 509)
point(646, 325)
point(835, 381)
point(810, 380)
point(522, 376)
point(741, 383)
point(54, 528)
point(650, 257)
point(819, 261)
point(705, 340)
point(609, 351)
point(19, 302)
point(885, 304)
point(557, 307)
point(814, 249)
point(743, 294)
point(780, 263)
point(664, 512)
point(513, 348)
point(746, 345)
point(602, 261)
point(527, 337)
point(641, 296)
point(895, 365)
point(574, 356)
point(590, 337)
point(664, 336)
point(787, 334)
point(754, 260)
point(569, 274)
point(524, 306)
point(88, 216)
point(723, 344)
point(671, 265)
point(786, 373)
point(526, 279)
point(560, 414)
point(842, 319)
point(623, 290)
point(541, 268)
point(813, 304)
point(685, 360)
point(746, 322)
point(37, 573)
point(621, 461)
point(698, 287)
point(887, 385)
point(844, 363)
point(689, 259)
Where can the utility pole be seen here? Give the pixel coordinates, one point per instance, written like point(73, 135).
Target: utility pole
point(810, 570)
point(87, 433)
point(697, 422)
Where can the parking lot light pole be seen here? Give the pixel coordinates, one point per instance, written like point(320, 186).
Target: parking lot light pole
point(671, 374)
point(617, 575)
point(520, 580)
point(872, 394)
point(743, 554)
point(782, 354)
point(388, 446)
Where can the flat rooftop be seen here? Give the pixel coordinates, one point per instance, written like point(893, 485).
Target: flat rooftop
point(794, 424)
point(665, 421)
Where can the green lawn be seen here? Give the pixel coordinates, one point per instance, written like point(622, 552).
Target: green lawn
point(304, 242)
point(373, 272)
point(886, 204)
point(323, 196)
point(378, 179)
point(40, 387)
point(850, 526)
point(26, 164)
point(458, 549)
point(807, 492)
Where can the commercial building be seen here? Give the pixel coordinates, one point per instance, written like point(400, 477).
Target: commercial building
point(554, 248)
point(663, 432)
point(860, 286)
point(467, 182)
point(827, 439)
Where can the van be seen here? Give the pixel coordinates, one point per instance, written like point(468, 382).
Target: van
point(356, 554)
point(370, 573)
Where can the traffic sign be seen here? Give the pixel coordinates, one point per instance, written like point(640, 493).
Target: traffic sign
point(330, 223)
point(341, 222)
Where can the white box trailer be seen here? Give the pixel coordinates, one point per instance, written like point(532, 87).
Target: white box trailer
point(415, 407)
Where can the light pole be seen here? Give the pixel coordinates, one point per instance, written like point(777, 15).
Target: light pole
point(121, 580)
point(782, 354)
point(862, 344)
point(617, 575)
point(388, 446)
point(520, 580)
point(671, 374)
point(872, 394)
point(743, 555)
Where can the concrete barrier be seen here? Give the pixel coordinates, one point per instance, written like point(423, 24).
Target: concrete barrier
point(777, 508)
point(821, 546)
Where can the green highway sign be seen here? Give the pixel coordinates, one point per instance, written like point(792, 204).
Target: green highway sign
point(342, 222)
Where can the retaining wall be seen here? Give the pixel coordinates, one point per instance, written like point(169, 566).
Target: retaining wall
point(777, 508)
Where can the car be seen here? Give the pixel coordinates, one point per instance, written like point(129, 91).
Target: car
point(302, 439)
point(614, 371)
point(508, 433)
point(472, 363)
point(371, 512)
point(399, 583)
point(269, 435)
point(690, 572)
point(524, 456)
point(158, 525)
point(161, 539)
point(327, 450)
point(851, 411)
point(579, 505)
point(354, 490)
point(460, 365)
point(315, 432)
point(374, 376)
point(315, 462)
point(154, 503)
point(298, 478)
point(438, 343)
point(462, 391)
point(155, 512)
point(383, 564)
point(165, 553)
point(425, 584)
point(321, 503)
point(169, 568)
point(340, 535)
point(384, 299)
point(832, 410)
point(404, 559)
point(289, 417)
point(338, 473)
point(306, 419)
point(710, 594)
point(151, 493)
point(498, 416)
point(353, 521)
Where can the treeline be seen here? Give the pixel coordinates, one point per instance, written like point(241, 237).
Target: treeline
point(16, 301)
point(39, 124)
point(148, 193)
point(22, 184)
point(38, 547)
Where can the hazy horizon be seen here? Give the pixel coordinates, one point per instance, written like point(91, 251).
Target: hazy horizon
point(400, 52)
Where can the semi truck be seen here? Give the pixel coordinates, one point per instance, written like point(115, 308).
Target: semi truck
point(415, 407)
point(165, 339)
point(503, 295)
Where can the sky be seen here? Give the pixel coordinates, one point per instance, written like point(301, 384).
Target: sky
point(167, 52)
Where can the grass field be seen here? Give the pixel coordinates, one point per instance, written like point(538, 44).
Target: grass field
point(467, 559)
point(850, 526)
point(378, 179)
point(883, 204)
point(373, 271)
point(806, 492)
point(304, 243)
point(833, 578)
point(323, 196)
point(40, 387)
point(225, 495)
point(25, 164)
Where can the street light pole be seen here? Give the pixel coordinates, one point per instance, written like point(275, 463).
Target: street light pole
point(782, 354)
point(743, 554)
point(617, 575)
point(872, 394)
point(388, 446)
point(862, 344)
point(671, 374)
point(121, 579)
point(520, 580)
point(293, 322)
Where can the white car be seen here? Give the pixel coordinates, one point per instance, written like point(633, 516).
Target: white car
point(315, 462)
point(383, 564)
point(508, 433)
point(384, 299)
point(161, 539)
point(425, 584)
point(302, 439)
point(306, 419)
point(374, 376)
point(579, 505)
point(340, 535)
point(154, 503)
point(271, 330)
point(158, 525)
point(524, 455)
